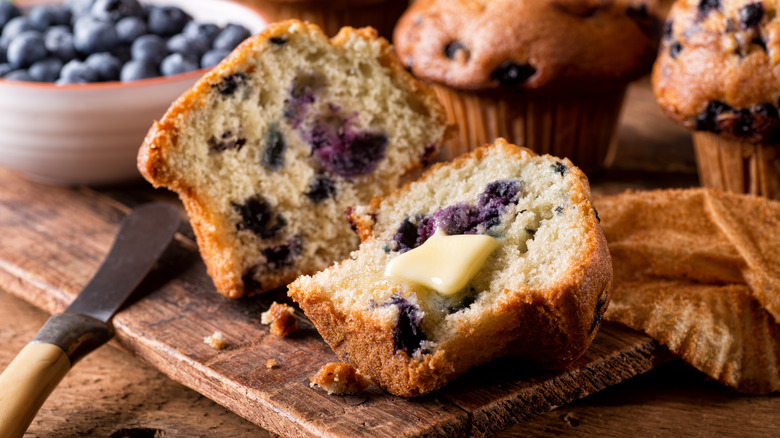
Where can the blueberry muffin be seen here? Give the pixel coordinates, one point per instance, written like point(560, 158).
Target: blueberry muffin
point(269, 148)
point(717, 74)
point(538, 291)
point(549, 75)
point(332, 15)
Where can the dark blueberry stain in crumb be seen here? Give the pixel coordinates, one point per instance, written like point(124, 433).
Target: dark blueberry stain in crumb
point(674, 49)
point(599, 311)
point(320, 189)
point(750, 15)
point(226, 141)
point(512, 74)
point(258, 217)
point(275, 145)
point(343, 149)
point(460, 218)
point(451, 49)
point(465, 303)
point(278, 41)
point(303, 92)
point(283, 256)
point(230, 84)
point(705, 6)
point(559, 209)
point(559, 167)
point(408, 332)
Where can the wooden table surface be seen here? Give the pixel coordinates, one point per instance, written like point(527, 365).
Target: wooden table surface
point(110, 394)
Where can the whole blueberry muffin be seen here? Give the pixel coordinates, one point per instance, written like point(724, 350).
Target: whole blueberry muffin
point(403, 312)
point(717, 74)
point(270, 147)
point(549, 75)
point(332, 15)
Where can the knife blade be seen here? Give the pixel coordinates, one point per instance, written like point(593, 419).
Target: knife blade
point(85, 325)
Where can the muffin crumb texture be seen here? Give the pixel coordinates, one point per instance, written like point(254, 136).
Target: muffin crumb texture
point(281, 318)
point(339, 379)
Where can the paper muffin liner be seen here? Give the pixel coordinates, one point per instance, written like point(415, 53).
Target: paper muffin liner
point(333, 15)
point(737, 166)
point(580, 128)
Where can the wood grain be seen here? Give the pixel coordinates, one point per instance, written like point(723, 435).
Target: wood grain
point(56, 238)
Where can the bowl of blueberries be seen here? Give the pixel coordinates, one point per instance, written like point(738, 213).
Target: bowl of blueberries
point(81, 81)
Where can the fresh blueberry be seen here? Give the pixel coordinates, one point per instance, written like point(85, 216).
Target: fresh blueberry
point(5, 68)
point(79, 8)
point(15, 26)
point(40, 17)
point(76, 72)
point(149, 48)
point(122, 52)
point(18, 75)
point(708, 120)
point(60, 15)
point(106, 65)
point(192, 49)
point(59, 42)
point(134, 70)
point(92, 36)
point(114, 10)
point(167, 20)
point(176, 63)
point(26, 48)
point(4, 50)
point(230, 37)
point(205, 32)
point(213, 57)
point(7, 12)
point(46, 70)
point(130, 28)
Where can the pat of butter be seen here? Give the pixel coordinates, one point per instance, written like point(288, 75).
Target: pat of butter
point(443, 263)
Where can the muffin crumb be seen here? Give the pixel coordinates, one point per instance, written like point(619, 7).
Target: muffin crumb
point(271, 364)
point(217, 340)
point(281, 318)
point(339, 379)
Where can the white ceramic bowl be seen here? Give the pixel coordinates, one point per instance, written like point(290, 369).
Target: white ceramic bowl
point(90, 133)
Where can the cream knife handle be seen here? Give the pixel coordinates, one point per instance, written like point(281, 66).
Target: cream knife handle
point(26, 383)
point(41, 365)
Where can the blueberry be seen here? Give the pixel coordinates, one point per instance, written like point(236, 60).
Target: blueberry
point(226, 141)
point(708, 120)
point(134, 70)
point(743, 123)
point(92, 36)
point(40, 17)
point(705, 6)
point(60, 15)
point(559, 167)
point(15, 26)
point(79, 8)
point(191, 48)
point(258, 217)
point(5, 68)
point(282, 256)
point(18, 75)
point(177, 63)
point(275, 145)
point(512, 74)
point(114, 10)
point(167, 20)
point(213, 57)
point(668, 30)
point(46, 70)
point(106, 65)
point(7, 12)
point(122, 52)
point(452, 49)
point(321, 188)
point(405, 238)
point(408, 332)
point(766, 109)
point(59, 42)
point(750, 15)
point(278, 41)
point(205, 32)
point(76, 72)
point(149, 48)
point(461, 218)
point(674, 49)
point(4, 50)
point(343, 149)
point(230, 84)
point(230, 37)
point(26, 48)
point(130, 28)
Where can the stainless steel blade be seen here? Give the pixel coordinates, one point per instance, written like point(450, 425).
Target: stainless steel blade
point(143, 236)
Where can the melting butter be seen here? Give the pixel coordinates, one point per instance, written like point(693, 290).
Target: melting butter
point(443, 263)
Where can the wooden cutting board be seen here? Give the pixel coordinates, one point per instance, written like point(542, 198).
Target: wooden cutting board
point(52, 240)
